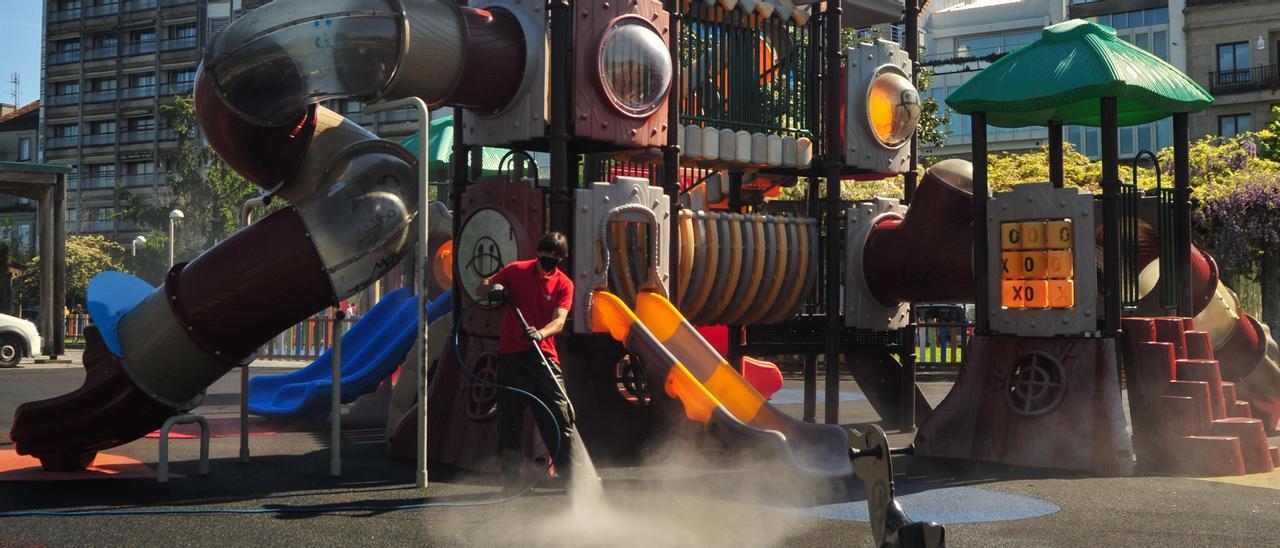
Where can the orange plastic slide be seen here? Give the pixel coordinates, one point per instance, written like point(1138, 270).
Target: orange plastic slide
point(712, 392)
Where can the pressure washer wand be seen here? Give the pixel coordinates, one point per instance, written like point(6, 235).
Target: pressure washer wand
point(536, 346)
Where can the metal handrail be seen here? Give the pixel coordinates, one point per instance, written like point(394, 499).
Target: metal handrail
point(1246, 79)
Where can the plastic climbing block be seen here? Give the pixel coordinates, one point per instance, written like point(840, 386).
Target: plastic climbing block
point(1253, 442)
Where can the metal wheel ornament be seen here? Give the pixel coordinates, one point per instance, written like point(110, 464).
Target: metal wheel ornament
point(483, 396)
point(632, 382)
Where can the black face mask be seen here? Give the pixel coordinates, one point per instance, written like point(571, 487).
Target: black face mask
point(548, 263)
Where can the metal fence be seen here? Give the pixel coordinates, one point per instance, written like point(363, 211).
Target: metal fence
point(305, 341)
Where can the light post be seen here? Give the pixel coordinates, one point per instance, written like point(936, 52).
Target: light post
point(174, 216)
point(137, 241)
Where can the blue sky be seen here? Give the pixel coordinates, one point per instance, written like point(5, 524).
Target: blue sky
point(20, 22)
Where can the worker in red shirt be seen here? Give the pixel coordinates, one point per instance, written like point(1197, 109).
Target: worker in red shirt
point(544, 295)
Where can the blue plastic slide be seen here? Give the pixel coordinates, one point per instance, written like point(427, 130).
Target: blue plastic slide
point(371, 351)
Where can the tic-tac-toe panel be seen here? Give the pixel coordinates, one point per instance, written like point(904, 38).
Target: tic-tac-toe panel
point(1043, 280)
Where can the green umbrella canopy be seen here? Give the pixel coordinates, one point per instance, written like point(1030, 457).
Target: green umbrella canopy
point(1061, 76)
point(440, 149)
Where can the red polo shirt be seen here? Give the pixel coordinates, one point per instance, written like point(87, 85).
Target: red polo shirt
point(538, 294)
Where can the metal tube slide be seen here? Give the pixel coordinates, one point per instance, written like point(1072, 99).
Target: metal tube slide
point(926, 256)
point(354, 198)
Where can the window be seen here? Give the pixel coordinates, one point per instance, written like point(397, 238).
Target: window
point(1235, 124)
point(71, 44)
point(978, 47)
point(141, 123)
point(105, 41)
point(142, 35)
point(182, 31)
point(102, 84)
point(102, 127)
point(183, 75)
point(66, 130)
point(1016, 40)
point(24, 149)
point(66, 88)
point(146, 79)
point(1233, 63)
point(140, 168)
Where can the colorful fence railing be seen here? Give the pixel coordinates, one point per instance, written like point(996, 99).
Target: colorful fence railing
point(304, 341)
point(942, 346)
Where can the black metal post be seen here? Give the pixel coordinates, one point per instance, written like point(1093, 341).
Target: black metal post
point(906, 335)
point(981, 192)
point(1182, 220)
point(561, 112)
point(1055, 154)
point(1111, 216)
point(834, 101)
point(810, 387)
point(911, 18)
point(671, 155)
point(457, 186)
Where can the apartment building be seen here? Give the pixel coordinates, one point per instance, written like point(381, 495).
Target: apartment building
point(965, 36)
point(18, 136)
point(1235, 54)
point(107, 67)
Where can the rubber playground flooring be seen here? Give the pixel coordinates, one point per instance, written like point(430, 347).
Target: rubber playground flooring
point(284, 496)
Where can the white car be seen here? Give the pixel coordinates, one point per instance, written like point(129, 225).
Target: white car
point(18, 338)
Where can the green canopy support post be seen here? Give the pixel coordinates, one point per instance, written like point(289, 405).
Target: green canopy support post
point(834, 164)
point(1110, 130)
point(981, 193)
point(1055, 154)
point(1182, 220)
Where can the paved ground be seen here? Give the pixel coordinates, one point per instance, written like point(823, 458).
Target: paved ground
point(653, 506)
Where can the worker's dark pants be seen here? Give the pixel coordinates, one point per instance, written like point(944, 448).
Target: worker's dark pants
point(524, 370)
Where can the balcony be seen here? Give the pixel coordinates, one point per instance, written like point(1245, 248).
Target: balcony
point(145, 179)
point(61, 142)
point(64, 57)
point(62, 100)
point(359, 118)
point(176, 88)
point(172, 44)
point(99, 139)
point(104, 96)
point(104, 52)
point(137, 136)
point(64, 15)
point(168, 135)
point(97, 226)
point(102, 9)
point(139, 5)
point(140, 48)
point(1241, 80)
point(141, 92)
point(92, 183)
point(171, 3)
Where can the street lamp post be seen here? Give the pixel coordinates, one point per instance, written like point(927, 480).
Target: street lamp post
point(137, 241)
point(174, 216)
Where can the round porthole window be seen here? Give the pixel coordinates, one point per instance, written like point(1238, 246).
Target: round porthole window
point(635, 67)
point(893, 108)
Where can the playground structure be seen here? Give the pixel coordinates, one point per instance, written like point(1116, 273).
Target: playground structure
point(666, 125)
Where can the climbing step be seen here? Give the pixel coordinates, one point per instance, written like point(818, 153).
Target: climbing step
point(1199, 414)
point(1229, 396)
point(1210, 456)
point(1205, 371)
point(1253, 442)
point(1243, 409)
point(1171, 330)
point(1275, 454)
point(1198, 345)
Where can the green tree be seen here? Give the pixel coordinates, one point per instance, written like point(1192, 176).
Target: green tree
point(209, 193)
point(87, 256)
